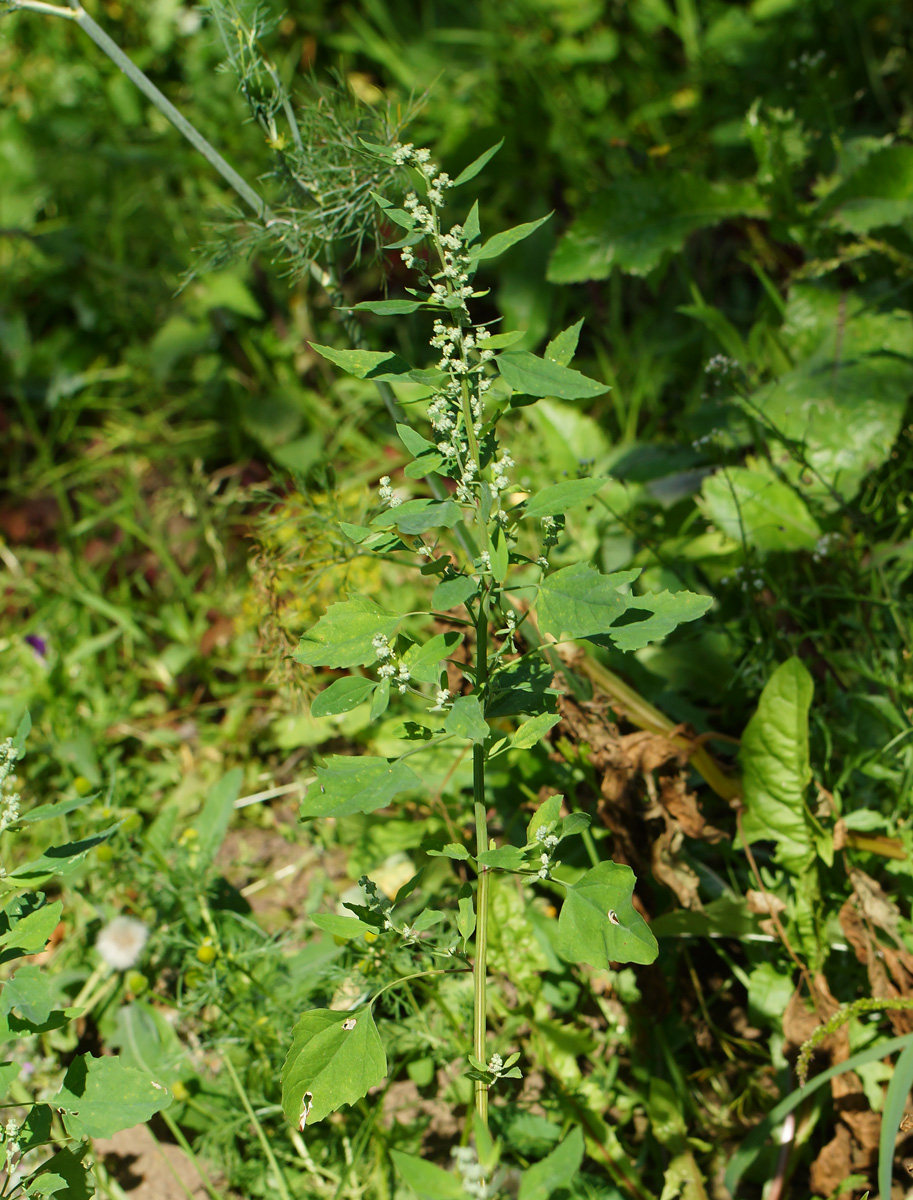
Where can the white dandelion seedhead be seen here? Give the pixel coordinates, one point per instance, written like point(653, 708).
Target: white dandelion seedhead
point(121, 942)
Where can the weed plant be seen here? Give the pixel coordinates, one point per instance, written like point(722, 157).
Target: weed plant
point(774, 481)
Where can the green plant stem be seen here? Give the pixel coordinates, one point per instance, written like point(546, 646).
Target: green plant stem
point(281, 1185)
point(78, 14)
point(480, 967)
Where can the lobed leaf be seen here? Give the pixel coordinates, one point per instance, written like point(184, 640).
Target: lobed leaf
point(667, 611)
point(343, 637)
point(101, 1096)
point(578, 601)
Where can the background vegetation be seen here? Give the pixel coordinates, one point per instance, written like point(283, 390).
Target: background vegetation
point(732, 187)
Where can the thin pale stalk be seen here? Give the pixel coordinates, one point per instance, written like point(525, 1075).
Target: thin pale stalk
point(281, 1185)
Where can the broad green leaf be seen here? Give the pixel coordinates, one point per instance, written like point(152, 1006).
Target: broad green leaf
point(356, 784)
point(465, 719)
point(100, 1096)
point(428, 918)
point(452, 850)
point(340, 926)
point(775, 766)
point(643, 218)
point(425, 465)
point(356, 533)
point(477, 164)
point(365, 364)
point(334, 1059)
point(844, 403)
point(466, 914)
point(451, 593)
point(667, 611)
point(147, 1040)
point(30, 934)
point(532, 731)
point(878, 193)
point(387, 308)
point(599, 924)
point(559, 497)
point(428, 1181)
point(413, 441)
point(502, 241)
point(524, 686)
point(63, 1175)
point(36, 1129)
point(418, 516)
point(561, 349)
point(424, 660)
point(556, 1170)
point(545, 817)
point(529, 375)
point(578, 601)
point(342, 696)
point(753, 507)
point(343, 635)
point(574, 823)
point(47, 812)
point(212, 823)
point(381, 700)
point(504, 858)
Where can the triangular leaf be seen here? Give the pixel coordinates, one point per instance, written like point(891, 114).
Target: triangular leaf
point(599, 924)
point(533, 730)
point(334, 1059)
point(365, 364)
point(428, 1181)
point(356, 784)
point(506, 238)
point(555, 1171)
point(451, 593)
point(477, 164)
point(418, 516)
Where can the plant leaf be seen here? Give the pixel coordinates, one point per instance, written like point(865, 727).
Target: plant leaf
point(529, 375)
point(356, 784)
point(365, 364)
point(775, 765)
point(561, 349)
point(413, 440)
point(667, 611)
point(212, 823)
point(30, 933)
point(342, 696)
point(465, 719)
point(418, 516)
point(427, 1180)
point(340, 926)
point(505, 858)
point(555, 1171)
point(502, 241)
point(101, 1096)
point(546, 815)
point(335, 1057)
point(559, 497)
point(532, 731)
point(642, 219)
point(477, 164)
point(578, 601)
point(343, 635)
point(451, 593)
point(599, 924)
point(424, 660)
point(63, 1175)
point(753, 507)
point(878, 193)
point(387, 308)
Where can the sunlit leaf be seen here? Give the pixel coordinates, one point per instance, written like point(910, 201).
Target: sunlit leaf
point(343, 637)
point(599, 924)
point(342, 696)
point(528, 375)
point(101, 1096)
point(356, 784)
point(335, 1057)
point(578, 601)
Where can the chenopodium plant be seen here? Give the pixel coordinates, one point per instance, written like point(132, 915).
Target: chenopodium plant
point(43, 1142)
point(486, 551)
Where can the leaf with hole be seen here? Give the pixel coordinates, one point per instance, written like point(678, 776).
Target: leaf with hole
point(335, 1058)
point(599, 924)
